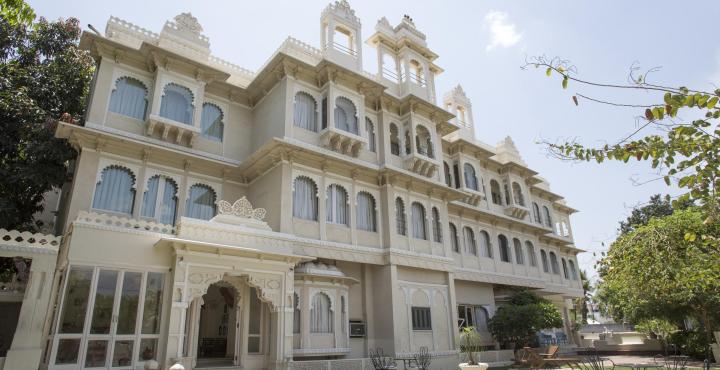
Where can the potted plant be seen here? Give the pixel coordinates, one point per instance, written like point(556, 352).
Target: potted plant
point(470, 344)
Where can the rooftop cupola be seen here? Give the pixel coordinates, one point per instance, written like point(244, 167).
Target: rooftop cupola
point(183, 34)
point(340, 35)
point(456, 102)
point(405, 63)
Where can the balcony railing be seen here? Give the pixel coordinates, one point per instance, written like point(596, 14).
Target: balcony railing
point(342, 48)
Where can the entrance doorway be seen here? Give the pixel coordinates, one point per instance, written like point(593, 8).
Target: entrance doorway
point(218, 326)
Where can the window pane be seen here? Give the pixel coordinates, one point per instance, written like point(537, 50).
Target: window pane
point(104, 297)
point(254, 344)
point(128, 303)
point(254, 327)
point(67, 351)
point(76, 298)
point(122, 354)
point(148, 349)
point(96, 353)
point(153, 303)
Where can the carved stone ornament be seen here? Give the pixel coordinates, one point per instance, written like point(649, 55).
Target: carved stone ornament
point(241, 208)
point(186, 21)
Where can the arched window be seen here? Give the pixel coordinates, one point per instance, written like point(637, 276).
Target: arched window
point(370, 128)
point(536, 213)
point(470, 243)
point(416, 73)
point(336, 205)
point(417, 212)
point(346, 115)
point(160, 200)
point(115, 192)
point(456, 175)
point(305, 199)
point(211, 122)
point(518, 195)
point(296, 314)
point(548, 218)
point(400, 223)
point(504, 248)
point(423, 142)
point(394, 140)
point(495, 192)
point(343, 314)
point(565, 268)
point(200, 202)
point(519, 255)
point(470, 178)
point(573, 271)
point(129, 98)
point(564, 228)
point(366, 212)
point(437, 226)
point(454, 238)
point(321, 315)
point(305, 111)
point(177, 103)
point(448, 177)
point(408, 144)
point(530, 252)
point(485, 246)
point(544, 259)
point(554, 263)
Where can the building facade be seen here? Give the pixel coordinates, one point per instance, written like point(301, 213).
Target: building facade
point(293, 217)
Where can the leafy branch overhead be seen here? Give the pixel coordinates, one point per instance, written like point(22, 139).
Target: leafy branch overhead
point(685, 151)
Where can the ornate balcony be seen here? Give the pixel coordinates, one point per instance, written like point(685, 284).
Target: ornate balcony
point(170, 130)
point(420, 164)
point(517, 211)
point(342, 141)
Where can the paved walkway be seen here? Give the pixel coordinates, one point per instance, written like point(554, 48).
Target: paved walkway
point(649, 359)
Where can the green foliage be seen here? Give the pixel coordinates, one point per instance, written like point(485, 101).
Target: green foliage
point(43, 75)
point(536, 313)
point(654, 272)
point(659, 328)
point(692, 343)
point(16, 12)
point(657, 207)
point(470, 343)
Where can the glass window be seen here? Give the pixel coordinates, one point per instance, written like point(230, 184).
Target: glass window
point(67, 351)
point(211, 122)
point(129, 98)
point(548, 218)
point(153, 303)
point(254, 327)
point(394, 140)
point(470, 240)
point(517, 194)
point(418, 221)
point(565, 269)
point(160, 200)
point(530, 251)
point(454, 238)
point(543, 258)
point(296, 314)
point(116, 190)
point(448, 178)
point(104, 301)
point(346, 115)
point(400, 216)
point(370, 127)
point(437, 226)
point(421, 319)
point(129, 298)
point(519, 255)
point(485, 246)
point(470, 177)
point(305, 198)
point(495, 192)
point(76, 299)
point(366, 212)
point(305, 111)
point(554, 264)
point(336, 205)
point(96, 354)
point(504, 248)
point(201, 202)
point(536, 213)
point(177, 104)
point(321, 316)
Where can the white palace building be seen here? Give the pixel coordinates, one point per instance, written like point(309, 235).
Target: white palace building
point(290, 218)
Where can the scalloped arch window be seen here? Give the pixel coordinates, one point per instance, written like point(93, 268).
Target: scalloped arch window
point(129, 98)
point(346, 115)
point(321, 315)
point(177, 104)
point(160, 200)
point(366, 212)
point(115, 192)
point(201, 202)
point(211, 122)
point(305, 111)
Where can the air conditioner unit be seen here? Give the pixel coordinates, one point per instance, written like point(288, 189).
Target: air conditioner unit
point(357, 329)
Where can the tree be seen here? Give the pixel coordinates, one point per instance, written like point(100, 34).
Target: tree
point(581, 304)
point(537, 313)
point(43, 76)
point(688, 152)
point(657, 207)
point(659, 328)
point(656, 272)
point(16, 12)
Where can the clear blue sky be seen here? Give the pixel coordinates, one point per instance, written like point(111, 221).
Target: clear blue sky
point(482, 45)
